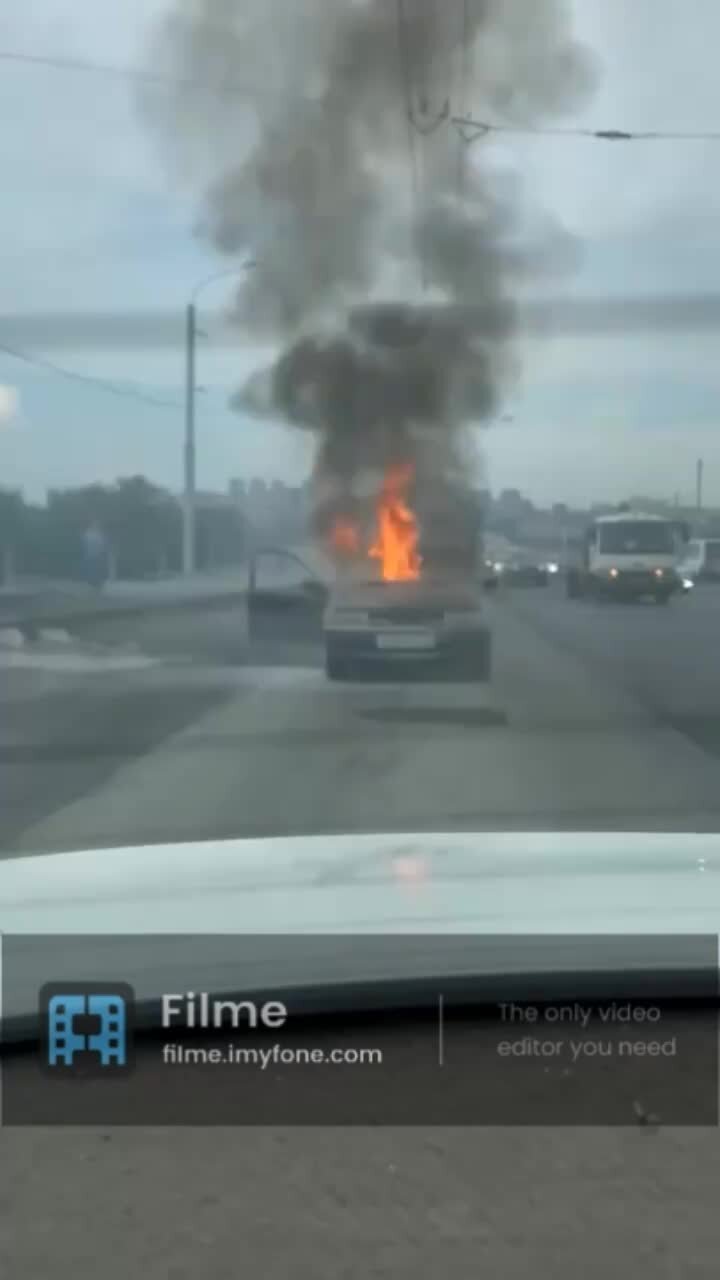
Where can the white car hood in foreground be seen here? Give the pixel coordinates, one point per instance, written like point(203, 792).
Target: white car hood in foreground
point(487, 883)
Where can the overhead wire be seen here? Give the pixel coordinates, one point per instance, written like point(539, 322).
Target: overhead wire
point(479, 128)
point(91, 67)
point(440, 57)
point(472, 130)
point(407, 104)
point(74, 375)
point(465, 76)
point(420, 116)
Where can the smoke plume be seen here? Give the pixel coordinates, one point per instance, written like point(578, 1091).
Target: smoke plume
point(388, 250)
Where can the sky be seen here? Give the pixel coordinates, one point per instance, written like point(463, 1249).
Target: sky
point(92, 219)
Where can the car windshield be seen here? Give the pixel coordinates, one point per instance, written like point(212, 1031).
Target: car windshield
point(338, 339)
point(641, 537)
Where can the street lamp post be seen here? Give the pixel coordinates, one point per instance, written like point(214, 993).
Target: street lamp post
point(189, 450)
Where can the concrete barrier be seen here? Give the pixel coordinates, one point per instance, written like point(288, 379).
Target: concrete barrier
point(30, 613)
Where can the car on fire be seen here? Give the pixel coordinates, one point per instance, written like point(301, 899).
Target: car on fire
point(425, 622)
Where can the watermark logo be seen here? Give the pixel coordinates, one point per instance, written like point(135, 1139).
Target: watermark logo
point(87, 1028)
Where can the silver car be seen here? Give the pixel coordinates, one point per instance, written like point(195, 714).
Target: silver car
point(423, 622)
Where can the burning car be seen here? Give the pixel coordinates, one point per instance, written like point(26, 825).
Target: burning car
point(425, 604)
point(392, 319)
point(426, 621)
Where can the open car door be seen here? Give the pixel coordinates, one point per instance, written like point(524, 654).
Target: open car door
point(287, 594)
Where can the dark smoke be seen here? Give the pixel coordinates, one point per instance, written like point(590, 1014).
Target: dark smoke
point(376, 391)
point(308, 165)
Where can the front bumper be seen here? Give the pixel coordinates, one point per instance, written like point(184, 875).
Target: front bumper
point(526, 577)
point(638, 583)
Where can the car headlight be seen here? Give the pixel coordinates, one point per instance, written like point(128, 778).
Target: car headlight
point(552, 567)
point(498, 566)
point(688, 583)
point(614, 573)
point(659, 573)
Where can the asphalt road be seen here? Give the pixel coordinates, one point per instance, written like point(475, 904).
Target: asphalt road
point(598, 717)
point(665, 658)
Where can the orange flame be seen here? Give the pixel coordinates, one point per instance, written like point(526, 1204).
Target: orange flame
point(344, 537)
point(395, 544)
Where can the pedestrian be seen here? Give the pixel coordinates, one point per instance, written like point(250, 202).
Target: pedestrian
point(95, 556)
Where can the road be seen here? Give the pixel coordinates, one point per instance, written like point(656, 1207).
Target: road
point(179, 727)
point(665, 659)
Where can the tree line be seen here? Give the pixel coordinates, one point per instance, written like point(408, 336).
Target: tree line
point(142, 524)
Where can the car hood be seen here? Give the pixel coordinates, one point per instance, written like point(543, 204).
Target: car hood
point(79, 908)
point(485, 882)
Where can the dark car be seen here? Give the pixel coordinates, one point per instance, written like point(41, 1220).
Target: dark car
point(430, 623)
point(524, 571)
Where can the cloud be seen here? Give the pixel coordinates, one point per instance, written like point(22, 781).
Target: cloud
point(87, 209)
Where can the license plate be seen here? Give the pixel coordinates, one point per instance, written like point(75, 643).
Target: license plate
point(406, 640)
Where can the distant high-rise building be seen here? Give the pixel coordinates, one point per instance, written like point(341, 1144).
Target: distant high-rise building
point(511, 503)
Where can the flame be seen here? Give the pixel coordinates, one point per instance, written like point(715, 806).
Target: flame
point(344, 537)
point(395, 544)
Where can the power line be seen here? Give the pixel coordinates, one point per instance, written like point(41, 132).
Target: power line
point(50, 367)
point(437, 38)
point(472, 130)
point(406, 72)
point(407, 92)
point(465, 69)
point(89, 66)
